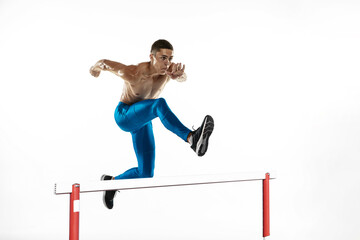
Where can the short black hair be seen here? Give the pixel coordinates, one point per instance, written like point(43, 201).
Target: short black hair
point(161, 43)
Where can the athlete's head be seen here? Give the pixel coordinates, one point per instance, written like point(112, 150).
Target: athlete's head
point(161, 55)
point(161, 43)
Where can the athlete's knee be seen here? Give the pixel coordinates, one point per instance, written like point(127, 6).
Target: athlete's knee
point(161, 102)
point(162, 107)
point(149, 175)
point(146, 173)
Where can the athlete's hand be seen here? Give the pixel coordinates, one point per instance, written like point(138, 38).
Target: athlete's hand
point(95, 71)
point(175, 70)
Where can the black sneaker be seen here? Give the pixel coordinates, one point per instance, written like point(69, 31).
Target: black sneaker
point(200, 137)
point(108, 196)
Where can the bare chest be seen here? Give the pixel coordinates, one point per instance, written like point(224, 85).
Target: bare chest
point(147, 88)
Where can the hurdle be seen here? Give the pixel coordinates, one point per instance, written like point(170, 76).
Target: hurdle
point(157, 182)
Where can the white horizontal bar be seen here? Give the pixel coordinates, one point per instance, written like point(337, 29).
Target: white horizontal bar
point(140, 183)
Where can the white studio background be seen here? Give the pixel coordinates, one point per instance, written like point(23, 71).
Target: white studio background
point(280, 78)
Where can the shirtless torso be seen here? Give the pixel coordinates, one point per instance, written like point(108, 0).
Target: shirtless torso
point(145, 80)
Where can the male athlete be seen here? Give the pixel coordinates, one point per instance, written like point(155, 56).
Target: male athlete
point(139, 105)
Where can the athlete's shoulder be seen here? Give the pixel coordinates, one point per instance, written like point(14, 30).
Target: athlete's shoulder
point(131, 70)
point(135, 72)
point(144, 66)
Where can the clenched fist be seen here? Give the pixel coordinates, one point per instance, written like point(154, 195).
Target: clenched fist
point(95, 71)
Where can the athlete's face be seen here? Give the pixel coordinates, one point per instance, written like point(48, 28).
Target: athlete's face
point(162, 60)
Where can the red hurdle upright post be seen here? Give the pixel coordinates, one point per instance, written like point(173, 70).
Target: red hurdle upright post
point(74, 212)
point(266, 206)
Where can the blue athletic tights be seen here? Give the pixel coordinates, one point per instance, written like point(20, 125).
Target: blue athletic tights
point(136, 119)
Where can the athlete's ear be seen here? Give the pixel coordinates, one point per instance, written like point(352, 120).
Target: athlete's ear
point(151, 57)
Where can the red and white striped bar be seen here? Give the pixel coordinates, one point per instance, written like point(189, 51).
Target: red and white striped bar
point(144, 183)
point(74, 212)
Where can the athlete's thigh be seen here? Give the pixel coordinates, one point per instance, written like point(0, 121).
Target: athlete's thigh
point(145, 110)
point(138, 115)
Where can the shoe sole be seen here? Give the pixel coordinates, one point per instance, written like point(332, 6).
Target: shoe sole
point(102, 179)
point(202, 144)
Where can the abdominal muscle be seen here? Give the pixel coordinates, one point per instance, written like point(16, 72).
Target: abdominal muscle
point(142, 90)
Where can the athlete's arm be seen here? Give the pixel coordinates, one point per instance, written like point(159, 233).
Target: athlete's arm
point(176, 72)
point(117, 68)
